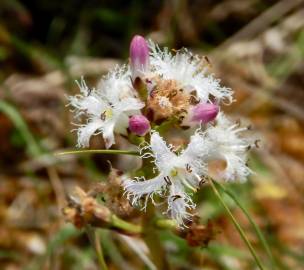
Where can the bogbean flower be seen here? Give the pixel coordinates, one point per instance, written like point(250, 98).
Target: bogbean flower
point(227, 144)
point(107, 108)
point(189, 71)
point(177, 174)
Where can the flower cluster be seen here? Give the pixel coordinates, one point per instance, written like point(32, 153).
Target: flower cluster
point(176, 89)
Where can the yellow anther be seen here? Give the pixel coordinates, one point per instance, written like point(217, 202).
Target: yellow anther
point(108, 113)
point(173, 172)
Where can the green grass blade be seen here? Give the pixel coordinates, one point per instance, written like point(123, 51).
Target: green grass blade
point(95, 243)
point(250, 219)
point(236, 224)
point(32, 146)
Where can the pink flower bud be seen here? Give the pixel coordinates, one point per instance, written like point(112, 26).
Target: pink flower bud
point(204, 112)
point(139, 54)
point(139, 125)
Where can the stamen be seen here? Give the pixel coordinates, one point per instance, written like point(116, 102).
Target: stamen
point(194, 100)
point(175, 197)
point(256, 143)
point(202, 181)
point(168, 180)
point(238, 122)
point(103, 116)
point(172, 94)
point(207, 60)
point(89, 92)
point(188, 168)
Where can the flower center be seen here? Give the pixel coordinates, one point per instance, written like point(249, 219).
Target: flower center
point(174, 172)
point(177, 172)
point(107, 114)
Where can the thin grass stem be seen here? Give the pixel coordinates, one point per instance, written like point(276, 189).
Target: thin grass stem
point(95, 242)
point(237, 225)
point(250, 219)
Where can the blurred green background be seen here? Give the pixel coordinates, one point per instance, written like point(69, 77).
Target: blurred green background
point(256, 47)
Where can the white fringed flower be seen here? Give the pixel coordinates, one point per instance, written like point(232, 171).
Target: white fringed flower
point(227, 144)
point(177, 173)
point(107, 108)
point(186, 68)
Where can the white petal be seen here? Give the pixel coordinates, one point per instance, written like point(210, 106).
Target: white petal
point(229, 146)
point(129, 104)
point(198, 147)
point(236, 169)
point(137, 189)
point(162, 153)
point(93, 105)
point(88, 101)
point(122, 124)
point(208, 85)
point(86, 131)
point(179, 203)
point(116, 84)
point(187, 69)
point(108, 133)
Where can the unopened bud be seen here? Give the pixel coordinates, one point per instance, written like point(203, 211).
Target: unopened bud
point(139, 125)
point(139, 55)
point(204, 112)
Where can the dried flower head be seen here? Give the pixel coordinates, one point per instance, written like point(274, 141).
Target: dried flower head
point(167, 100)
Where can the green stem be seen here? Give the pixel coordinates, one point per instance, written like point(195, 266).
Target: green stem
point(166, 224)
point(237, 225)
point(252, 222)
point(99, 151)
point(95, 242)
point(117, 223)
point(152, 240)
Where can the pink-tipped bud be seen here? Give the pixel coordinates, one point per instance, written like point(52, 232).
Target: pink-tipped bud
point(204, 112)
point(139, 55)
point(139, 125)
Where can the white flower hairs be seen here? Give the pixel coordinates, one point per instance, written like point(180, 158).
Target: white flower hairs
point(172, 90)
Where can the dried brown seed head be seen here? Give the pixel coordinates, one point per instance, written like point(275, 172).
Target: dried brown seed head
point(167, 99)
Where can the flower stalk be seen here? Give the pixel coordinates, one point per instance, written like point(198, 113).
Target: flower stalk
point(152, 239)
point(99, 151)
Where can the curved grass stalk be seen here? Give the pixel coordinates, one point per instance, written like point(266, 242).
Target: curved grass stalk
point(99, 151)
point(32, 147)
point(95, 242)
point(237, 225)
point(251, 221)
